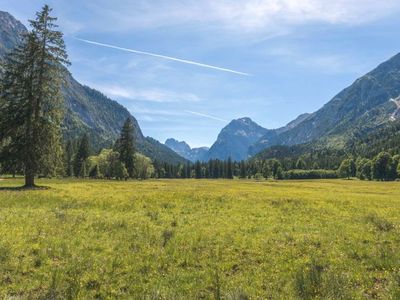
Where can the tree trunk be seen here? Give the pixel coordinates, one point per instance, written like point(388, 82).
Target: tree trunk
point(29, 179)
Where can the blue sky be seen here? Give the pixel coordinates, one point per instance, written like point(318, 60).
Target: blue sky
point(299, 53)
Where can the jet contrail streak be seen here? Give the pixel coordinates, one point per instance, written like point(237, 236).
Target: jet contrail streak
point(205, 116)
point(164, 57)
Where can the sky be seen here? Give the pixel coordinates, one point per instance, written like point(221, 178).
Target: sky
point(185, 68)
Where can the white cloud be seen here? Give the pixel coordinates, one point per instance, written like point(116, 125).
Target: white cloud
point(328, 63)
point(150, 95)
point(245, 15)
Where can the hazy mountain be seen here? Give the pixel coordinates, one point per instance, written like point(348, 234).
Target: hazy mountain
point(357, 110)
point(11, 31)
point(88, 110)
point(235, 139)
point(272, 134)
point(184, 150)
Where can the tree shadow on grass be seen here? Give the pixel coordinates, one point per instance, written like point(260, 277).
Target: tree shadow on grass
point(23, 188)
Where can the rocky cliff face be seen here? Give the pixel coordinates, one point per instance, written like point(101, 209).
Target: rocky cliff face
point(235, 139)
point(184, 150)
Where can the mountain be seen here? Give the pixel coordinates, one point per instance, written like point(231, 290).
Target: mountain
point(11, 31)
point(88, 110)
point(359, 109)
point(271, 134)
point(235, 139)
point(184, 150)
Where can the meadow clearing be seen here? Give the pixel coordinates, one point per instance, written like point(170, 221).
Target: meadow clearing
point(200, 239)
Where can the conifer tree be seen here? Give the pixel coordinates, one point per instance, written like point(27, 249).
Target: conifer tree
point(81, 156)
point(69, 157)
point(31, 101)
point(229, 171)
point(300, 164)
point(125, 145)
point(198, 170)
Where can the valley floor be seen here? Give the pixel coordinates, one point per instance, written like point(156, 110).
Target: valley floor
point(185, 239)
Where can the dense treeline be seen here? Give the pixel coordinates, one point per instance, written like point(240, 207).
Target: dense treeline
point(123, 162)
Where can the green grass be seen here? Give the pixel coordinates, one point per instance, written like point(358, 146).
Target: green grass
point(188, 239)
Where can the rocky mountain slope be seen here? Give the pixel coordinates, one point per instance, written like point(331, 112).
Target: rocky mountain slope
point(88, 110)
point(184, 150)
point(357, 110)
point(235, 139)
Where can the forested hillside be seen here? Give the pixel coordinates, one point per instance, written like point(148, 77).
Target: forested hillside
point(87, 110)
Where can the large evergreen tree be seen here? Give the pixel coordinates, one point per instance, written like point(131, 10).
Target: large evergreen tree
point(125, 145)
point(31, 100)
point(81, 157)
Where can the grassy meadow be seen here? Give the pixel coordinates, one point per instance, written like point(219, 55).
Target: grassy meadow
point(200, 239)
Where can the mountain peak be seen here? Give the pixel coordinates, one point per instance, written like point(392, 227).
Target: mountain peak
point(184, 150)
point(175, 144)
point(244, 120)
point(234, 139)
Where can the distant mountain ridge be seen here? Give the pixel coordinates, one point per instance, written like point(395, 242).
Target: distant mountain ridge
point(88, 110)
point(359, 109)
point(184, 150)
point(235, 141)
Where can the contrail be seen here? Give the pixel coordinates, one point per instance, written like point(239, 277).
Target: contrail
point(205, 116)
point(165, 57)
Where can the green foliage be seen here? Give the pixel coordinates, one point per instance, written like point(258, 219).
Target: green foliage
point(398, 171)
point(144, 168)
point(383, 167)
point(81, 156)
point(119, 171)
point(83, 172)
point(95, 172)
point(125, 146)
point(310, 174)
point(364, 169)
point(347, 168)
point(276, 169)
point(258, 176)
point(109, 165)
point(31, 101)
point(69, 159)
point(301, 164)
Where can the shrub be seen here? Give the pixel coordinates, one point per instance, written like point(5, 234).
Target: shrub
point(258, 176)
point(310, 174)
